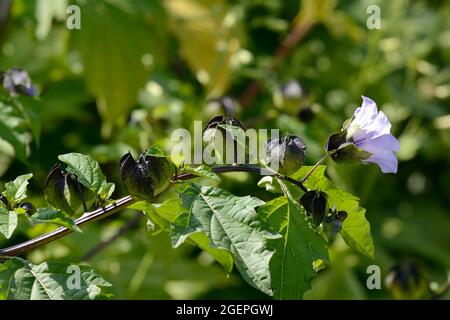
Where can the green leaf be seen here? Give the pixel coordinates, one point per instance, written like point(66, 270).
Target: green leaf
point(27, 106)
point(201, 171)
point(12, 127)
point(86, 169)
point(16, 191)
point(22, 280)
point(155, 218)
point(355, 228)
point(230, 223)
point(8, 222)
point(163, 214)
point(224, 257)
point(113, 60)
point(292, 265)
point(156, 151)
point(50, 215)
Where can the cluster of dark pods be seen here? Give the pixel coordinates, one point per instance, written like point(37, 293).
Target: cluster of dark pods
point(315, 203)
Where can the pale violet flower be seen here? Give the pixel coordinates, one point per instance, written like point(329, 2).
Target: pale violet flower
point(366, 137)
point(369, 130)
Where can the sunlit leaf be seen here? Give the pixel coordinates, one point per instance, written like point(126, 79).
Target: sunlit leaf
point(50, 215)
point(22, 280)
point(230, 223)
point(201, 171)
point(87, 171)
point(8, 222)
point(292, 265)
point(113, 61)
point(16, 191)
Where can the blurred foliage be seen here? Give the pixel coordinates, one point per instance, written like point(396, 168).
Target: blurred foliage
point(139, 69)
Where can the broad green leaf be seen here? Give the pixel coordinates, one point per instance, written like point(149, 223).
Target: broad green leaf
point(8, 222)
point(50, 215)
point(201, 171)
point(86, 169)
point(224, 257)
point(16, 191)
point(230, 223)
point(27, 106)
point(169, 210)
point(22, 280)
point(12, 129)
point(163, 214)
point(154, 218)
point(156, 151)
point(292, 265)
point(355, 229)
point(113, 65)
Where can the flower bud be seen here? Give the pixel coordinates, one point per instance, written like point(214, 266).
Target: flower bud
point(28, 207)
point(288, 153)
point(315, 204)
point(63, 191)
point(213, 127)
point(221, 136)
point(223, 105)
point(407, 281)
point(292, 97)
point(147, 177)
point(292, 91)
point(17, 81)
point(342, 151)
point(332, 223)
point(306, 114)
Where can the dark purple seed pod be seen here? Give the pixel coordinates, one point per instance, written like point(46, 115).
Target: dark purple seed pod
point(315, 204)
point(288, 153)
point(147, 177)
point(28, 207)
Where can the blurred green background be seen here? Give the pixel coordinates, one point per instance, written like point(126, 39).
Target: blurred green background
point(138, 69)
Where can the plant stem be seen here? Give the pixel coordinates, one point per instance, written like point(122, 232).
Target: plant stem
point(95, 215)
point(118, 205)
point(313, 168)
point(242, 168)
